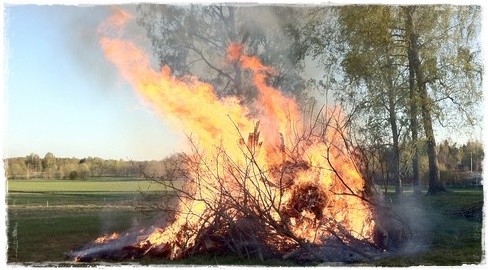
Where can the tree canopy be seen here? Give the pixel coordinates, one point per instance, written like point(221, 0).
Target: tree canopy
point(404, 68)
point(193, 39)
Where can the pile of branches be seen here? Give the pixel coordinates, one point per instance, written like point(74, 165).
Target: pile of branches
point(246, 214)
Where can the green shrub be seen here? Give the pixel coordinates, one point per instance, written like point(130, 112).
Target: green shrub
point(73, 175)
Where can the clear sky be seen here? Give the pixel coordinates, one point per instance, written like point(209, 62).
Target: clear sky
point(62, 96)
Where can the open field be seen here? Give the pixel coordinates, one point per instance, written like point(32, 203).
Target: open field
point(83, 186)
point(48, 218)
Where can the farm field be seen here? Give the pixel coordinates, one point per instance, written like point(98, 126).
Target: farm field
point(102, 185)
point(46, 219)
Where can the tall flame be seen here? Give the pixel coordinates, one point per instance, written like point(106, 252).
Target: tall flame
point(217, 122)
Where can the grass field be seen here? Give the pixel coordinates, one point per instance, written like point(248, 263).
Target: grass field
point(440, 238)
point(46, 219)
point(83, 186)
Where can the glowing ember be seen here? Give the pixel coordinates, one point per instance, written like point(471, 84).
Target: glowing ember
point(107, 238)
point(304, 190)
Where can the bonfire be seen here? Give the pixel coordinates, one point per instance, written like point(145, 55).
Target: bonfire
point(261, 180)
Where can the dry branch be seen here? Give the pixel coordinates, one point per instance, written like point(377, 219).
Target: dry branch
point(258, 211)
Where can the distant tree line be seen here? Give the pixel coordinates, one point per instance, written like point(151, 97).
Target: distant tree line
point(456, 164)
point(52, 167)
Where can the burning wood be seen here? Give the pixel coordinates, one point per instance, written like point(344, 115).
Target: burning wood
point(295, 193)
point(309, 198)
point(107, 238)
point(304, 219)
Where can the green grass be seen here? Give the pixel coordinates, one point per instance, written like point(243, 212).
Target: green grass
point(447, 239)
point(78, 199)
point(82, 186)
point(211, 259)
point(46, 234)
point(46, 219)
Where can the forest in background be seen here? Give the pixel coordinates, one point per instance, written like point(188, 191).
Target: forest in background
point(52, 167)
point(460, 165)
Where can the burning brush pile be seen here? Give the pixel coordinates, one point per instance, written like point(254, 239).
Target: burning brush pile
point(262, 181)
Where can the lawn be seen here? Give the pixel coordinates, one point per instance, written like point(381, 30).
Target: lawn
point(48, 218)
point(440, 237)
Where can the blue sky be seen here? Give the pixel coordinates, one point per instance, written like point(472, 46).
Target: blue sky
point(62, 96)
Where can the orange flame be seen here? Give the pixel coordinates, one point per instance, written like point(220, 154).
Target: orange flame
point(107, 238)
point(192, 105)
point(279, 113)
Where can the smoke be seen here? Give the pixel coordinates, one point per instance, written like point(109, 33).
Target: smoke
point(274, 43)
point(411, 210)
point(192, 40)
point(82, 39)
point(112, 249)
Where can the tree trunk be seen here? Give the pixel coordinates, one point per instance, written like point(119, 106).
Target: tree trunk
point(435, 184)
point(413, 108)
point(392, 118)
point(395, 167)
point(238, 91)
